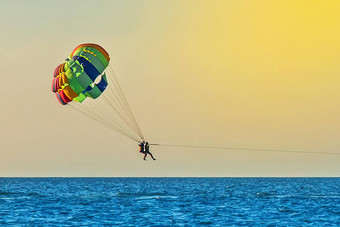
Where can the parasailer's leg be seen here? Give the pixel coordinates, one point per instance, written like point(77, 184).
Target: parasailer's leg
point(145, 156)
point(151, 156)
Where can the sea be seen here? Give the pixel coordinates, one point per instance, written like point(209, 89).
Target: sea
point(169, 201)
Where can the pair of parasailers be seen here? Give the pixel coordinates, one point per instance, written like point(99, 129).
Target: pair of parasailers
point(145, 149)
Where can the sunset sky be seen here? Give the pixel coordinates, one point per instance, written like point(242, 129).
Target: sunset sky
point(252, 74)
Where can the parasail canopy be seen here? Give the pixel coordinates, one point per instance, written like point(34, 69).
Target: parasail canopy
point(87, 73)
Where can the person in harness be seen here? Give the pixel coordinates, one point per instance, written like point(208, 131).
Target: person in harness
point(145, 149)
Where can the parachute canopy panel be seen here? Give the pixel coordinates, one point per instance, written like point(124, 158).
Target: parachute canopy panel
point(77, 77)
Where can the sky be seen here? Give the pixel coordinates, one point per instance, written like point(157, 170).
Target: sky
point(254, 74)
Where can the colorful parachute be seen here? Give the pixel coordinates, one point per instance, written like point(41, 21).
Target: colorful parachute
point(86, 73)
point(82, 74)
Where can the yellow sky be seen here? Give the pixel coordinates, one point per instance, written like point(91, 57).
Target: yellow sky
point(254, 74)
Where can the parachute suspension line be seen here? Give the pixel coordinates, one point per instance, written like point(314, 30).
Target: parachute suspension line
point(112, 105)
point(111, 109)
point(246, 149)
point(123, 105)
point(115, 100)
point(96, 117)
point(106, 114)
point(123, 98)
point(110, 101)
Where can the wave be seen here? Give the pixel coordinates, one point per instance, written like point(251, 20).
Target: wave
point(144, 196)
point(138, 194)
point(20, 194)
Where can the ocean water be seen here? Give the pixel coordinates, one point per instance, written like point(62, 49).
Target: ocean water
point(169, 201)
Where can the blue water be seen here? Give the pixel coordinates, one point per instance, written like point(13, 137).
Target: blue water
point(170, 201)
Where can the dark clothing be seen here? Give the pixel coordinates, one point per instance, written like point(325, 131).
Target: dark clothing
point(147, 152)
